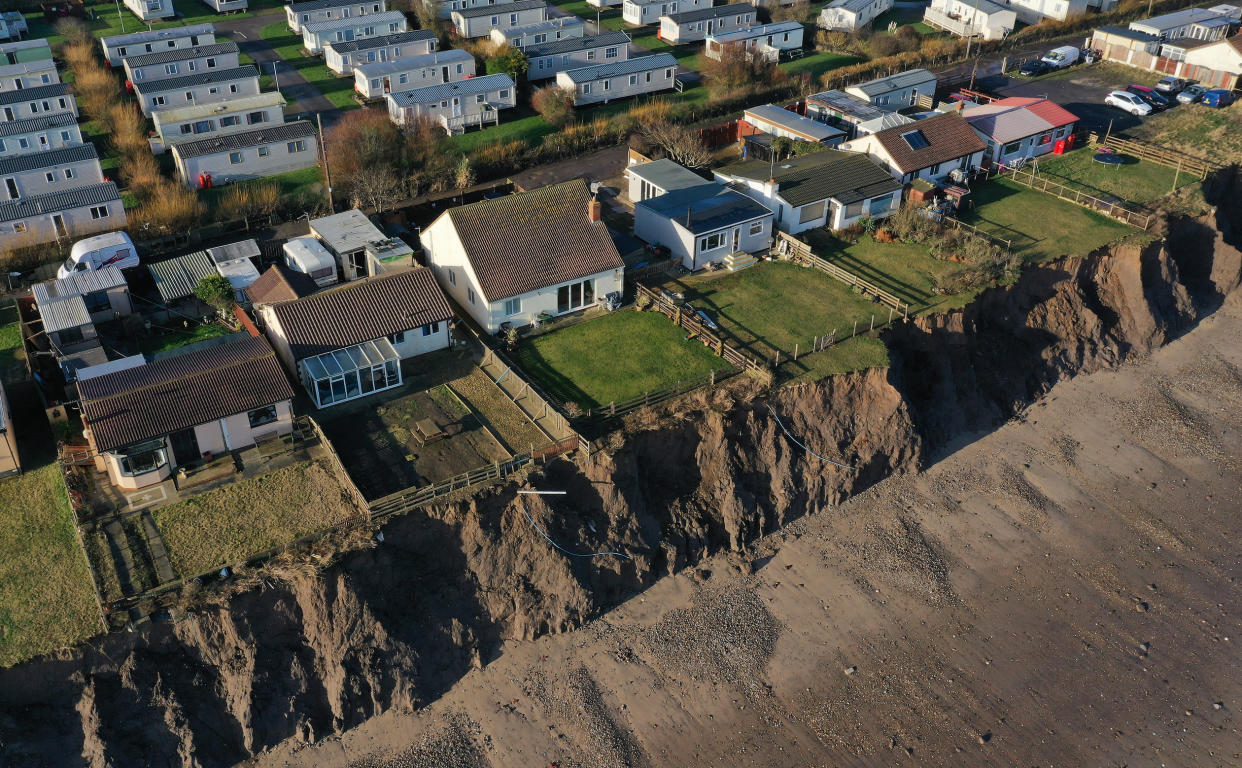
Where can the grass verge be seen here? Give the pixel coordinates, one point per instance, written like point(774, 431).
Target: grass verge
point(306, 182)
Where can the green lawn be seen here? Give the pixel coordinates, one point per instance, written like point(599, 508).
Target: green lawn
point(12, 356)
point(47, 599)
point(338, 90)
point(171, 337)
point(307, 181)
point(1041, 226)
point(107, 21)
point(519, 123)
point(247, 517)
point(903, 16)
point(816, 64)
point(779, 306)
point(903, 269)
point(614, 357)
point(1135, 182)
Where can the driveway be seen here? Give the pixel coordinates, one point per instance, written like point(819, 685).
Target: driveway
point(1081, 90)
point(304, 98)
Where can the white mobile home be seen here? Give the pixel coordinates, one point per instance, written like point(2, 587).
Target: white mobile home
point(25, 52)
point(72, 213)
point(781, 123)
point(650, 11)
point(44, 101)
point(13, 26)
point(373, 81)
point(1035, 11)
point(201, 88)
point(704, 224)
point(539, 33)
point(479, 22)
point(299, 15)
point(632, 77)
point(445, 8)
point(851, 15)
point(1208, 24)
point(341, 58)
point(42, 173)
point(552, 58)
point(566, 264)
point(455, 106)
point(39, 134)
point(191, 123)
point(315, 36)
point(766, 41)
point(151, 10)
point(31, 74)
point(117, 47)
point(227, 6)
point(182, 61)
point(693, 26)
point(971, 18)
point(248, 155)
point(899, 91)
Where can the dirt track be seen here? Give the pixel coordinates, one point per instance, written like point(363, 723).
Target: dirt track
point(1061, 592)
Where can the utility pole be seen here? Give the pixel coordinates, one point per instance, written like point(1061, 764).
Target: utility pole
point(275, 76)
point(120, 15)
point(323, 147)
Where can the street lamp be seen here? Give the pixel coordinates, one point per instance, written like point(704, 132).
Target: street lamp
point(120, 15)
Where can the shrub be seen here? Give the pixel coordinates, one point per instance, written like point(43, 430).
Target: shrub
point(170, 208)
point(245, 201)
point(74, 32)
point(509, 61)
point(217, 291)
point(908, 38)
point(737, 69)
point(882, 46)
point(554, 104)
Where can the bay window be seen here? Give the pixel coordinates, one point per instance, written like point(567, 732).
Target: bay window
point(143, 457)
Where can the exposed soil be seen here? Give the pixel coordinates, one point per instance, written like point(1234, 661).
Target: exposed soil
point(1058, 592)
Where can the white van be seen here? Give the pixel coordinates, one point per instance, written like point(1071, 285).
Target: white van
point(308, 256)
point(1060, 58)
point(114, 249)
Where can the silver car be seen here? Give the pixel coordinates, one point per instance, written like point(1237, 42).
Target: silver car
point(1129, 102)
point(1192, 94)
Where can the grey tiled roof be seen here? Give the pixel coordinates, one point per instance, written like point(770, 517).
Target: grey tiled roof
point(40, 123)
point(196, 79)
point(354, 21)
point(299, 129)
point(627, 67)
point(462, 87)
point(22, 163)
point(576, 44)
point(33, 94)
point(450, 56)
point(368, 43)
point(78, 197)
point(497, 10)
point(719, 11)
point(149, 36)
point(181, 54)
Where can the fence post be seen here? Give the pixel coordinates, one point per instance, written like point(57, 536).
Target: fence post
point(712, 377)
point(795, 353)
point(873, 321)
point(855, 328)
point(890, 314)
point(612, 408)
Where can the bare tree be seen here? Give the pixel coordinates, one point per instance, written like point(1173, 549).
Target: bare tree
point(379, 188)
point(683, 146)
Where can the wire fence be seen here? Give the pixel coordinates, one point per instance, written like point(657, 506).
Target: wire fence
point(1120, 210)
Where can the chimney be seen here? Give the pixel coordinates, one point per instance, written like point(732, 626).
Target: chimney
point(594, 210)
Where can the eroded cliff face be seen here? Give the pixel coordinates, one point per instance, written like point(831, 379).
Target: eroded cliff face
point(306, 653)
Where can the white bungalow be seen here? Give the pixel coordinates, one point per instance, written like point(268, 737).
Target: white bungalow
point(632, 77)
point(374, 81)
point(455, 106)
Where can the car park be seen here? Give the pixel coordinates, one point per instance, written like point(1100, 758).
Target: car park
point(1129, 102)
point(1218, 97)
point(1153, 99)
point(1171, 85)
point(1192, 94)
point(1034, 68)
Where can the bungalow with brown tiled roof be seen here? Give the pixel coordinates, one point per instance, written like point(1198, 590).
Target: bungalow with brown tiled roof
point(512, 259)
point(928, 149)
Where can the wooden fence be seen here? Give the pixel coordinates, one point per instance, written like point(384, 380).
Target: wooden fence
point(952, 222)
point(646, 271)
point(696, 327)
point(1154, 153)
point(801, 252)
point(1119, 210)
point(617, 409)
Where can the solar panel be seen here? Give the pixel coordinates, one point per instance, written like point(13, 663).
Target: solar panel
point(916, 139)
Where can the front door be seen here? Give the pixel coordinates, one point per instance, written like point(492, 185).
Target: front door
point(737, 239)
point(184, 446)
point(456, 106)
point(444, 71)
point(59, 222)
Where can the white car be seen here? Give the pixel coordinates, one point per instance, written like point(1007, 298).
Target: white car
point(1129, 102)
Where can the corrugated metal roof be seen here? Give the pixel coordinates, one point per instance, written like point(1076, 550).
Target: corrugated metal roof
point(560, 22)
point(181, 54)
point(40, 123)
point(497, 10)
point(34, 94)
point(148, 36)
point(367, 43)
point(222, 107)
point(628, 67)
point(69, 312)
point(719, 11)
point(386, 17)
point(414, 62)
point(197, 79)
point(75, 153)
point(177, 278)
point(444, 90)
point(79, 284)
point(78, 197)
point(299, 129)
point(576, 44)
point(182, 391)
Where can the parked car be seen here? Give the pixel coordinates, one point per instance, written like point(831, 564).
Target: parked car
point(1060, 58)
point(113, 249)
point(1154, 100)
point(1192, 94)
point(1218, 97)
point(1171, 85)
point(1033, 68)
point(1128, 102)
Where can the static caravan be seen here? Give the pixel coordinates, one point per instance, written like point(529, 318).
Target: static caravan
point(25, 51)
point(852, 15)
point(479, 22)
point(445, 8)
point(299, 15)
point(248, 155)
point(117, 47)
point(766, 41)
point(72, 213)
point(201, 88)
point(39, 134)
point(315, 36)
point(227, 6)
point(13, 25)
point(898, 91)
point(546, 61)
point(696, 25)
point(341, 58)
point(32, 74)
point(971, 18)
point(455, 106)
point(182, 61)
point(151, 10)
point(193, 122)
point(373, 81)
point(605, 3)
point(550, 31)
point(650, 11)
point(781, 123)
point(43, 101)
point(632, 77)
point(42, 173)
